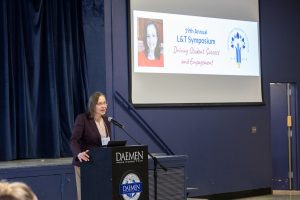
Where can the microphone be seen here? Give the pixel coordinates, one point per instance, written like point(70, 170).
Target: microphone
point(111, 120)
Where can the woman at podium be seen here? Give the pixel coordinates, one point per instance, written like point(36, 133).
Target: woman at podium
point(91, 129)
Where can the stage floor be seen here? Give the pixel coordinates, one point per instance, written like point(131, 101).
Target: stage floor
point(35, 163)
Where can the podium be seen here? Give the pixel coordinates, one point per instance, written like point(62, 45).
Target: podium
point(116, 173)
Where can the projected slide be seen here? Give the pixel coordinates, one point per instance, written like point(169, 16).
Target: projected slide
point(195, 45)
point(194, 52)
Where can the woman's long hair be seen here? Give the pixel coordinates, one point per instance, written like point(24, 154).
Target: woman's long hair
point(157, 48)
point(93, 100)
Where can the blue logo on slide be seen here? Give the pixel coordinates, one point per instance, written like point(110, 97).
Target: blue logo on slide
point(238, 42)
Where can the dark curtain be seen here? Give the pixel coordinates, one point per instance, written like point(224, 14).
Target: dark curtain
point(93, 27)
point(43, 77)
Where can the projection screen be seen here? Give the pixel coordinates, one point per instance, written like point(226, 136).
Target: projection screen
point(194, 52)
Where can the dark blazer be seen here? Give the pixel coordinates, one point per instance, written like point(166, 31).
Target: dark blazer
point(85, 135)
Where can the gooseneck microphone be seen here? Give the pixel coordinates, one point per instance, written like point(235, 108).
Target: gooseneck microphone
point(111, 120)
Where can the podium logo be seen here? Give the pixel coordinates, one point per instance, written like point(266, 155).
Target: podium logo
point(131, 187)
point(129, 157)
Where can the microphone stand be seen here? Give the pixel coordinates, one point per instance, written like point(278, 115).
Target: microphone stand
point(155, 161)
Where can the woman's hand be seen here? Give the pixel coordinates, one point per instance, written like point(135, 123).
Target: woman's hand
point(83, 156)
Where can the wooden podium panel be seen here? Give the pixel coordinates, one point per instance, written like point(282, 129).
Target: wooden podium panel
point(116, 173)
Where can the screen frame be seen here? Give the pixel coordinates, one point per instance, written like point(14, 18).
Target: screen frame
point(201, 104)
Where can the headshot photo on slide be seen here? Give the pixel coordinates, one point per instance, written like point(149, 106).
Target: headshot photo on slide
point(150, 43)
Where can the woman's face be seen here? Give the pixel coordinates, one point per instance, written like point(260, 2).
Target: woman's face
point(101, 106)
point(151, 37)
